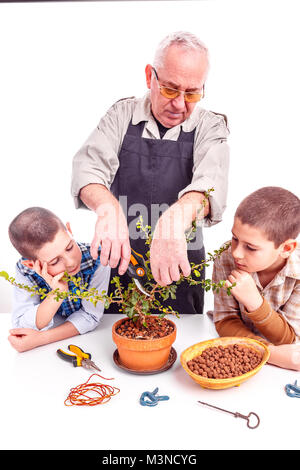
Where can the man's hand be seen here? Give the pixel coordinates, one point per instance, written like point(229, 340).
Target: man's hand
point(168, 260)
point(111, 232)
point(245, 290)
point(168, 252)
point(24, 339)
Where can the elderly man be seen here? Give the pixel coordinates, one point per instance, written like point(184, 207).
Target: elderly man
point(157, 156)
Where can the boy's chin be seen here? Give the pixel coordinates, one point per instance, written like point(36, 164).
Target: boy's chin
point(76, 271)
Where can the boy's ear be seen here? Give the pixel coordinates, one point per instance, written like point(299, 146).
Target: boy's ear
point(28, 263)
point(288, 247)
point(69, 228)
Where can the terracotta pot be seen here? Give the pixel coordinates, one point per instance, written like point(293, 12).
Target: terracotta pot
point(143, 354)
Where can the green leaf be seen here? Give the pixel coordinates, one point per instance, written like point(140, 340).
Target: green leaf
point(4, 274)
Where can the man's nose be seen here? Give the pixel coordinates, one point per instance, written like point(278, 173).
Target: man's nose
point(179, 102)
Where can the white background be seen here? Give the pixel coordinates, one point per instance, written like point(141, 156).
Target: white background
point(64, 64)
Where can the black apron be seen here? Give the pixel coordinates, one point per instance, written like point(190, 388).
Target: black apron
point(151, 174)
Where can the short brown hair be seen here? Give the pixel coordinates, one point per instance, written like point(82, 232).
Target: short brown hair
point(32, 228)
point(274, 210)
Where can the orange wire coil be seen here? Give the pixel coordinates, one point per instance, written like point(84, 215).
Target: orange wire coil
point(91, 393)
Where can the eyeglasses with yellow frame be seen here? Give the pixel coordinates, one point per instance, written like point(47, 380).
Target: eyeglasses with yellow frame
point(172, 93)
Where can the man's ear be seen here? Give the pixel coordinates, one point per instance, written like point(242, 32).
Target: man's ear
point(69, 228)
point(148, 72)
point(28, 263)
point(288, 247)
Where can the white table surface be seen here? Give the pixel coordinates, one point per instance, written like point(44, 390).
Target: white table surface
point(34, 385)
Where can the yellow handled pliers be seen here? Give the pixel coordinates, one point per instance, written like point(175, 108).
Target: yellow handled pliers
point(80, 359)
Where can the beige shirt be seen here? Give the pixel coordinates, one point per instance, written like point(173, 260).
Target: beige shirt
point(282, 294)
point(97, 161)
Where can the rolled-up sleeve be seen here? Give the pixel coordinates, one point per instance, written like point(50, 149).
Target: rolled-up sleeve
point(211, 165)
point(25, 305)
point(97, 160)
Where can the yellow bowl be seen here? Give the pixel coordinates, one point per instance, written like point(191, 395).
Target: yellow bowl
point(198, 348)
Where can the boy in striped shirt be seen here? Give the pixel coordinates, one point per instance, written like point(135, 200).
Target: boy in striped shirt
point(263, 266)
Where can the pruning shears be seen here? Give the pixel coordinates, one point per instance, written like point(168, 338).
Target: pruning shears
point(79, 358)
point(138, 271)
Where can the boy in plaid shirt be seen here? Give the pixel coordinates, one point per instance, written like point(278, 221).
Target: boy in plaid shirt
point(48, 250)
point(264, 264)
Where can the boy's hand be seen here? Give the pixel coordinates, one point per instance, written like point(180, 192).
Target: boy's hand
point(50, 305)
point(245, 290)
point(54, 282)
point(24, 339)
point(286, 356)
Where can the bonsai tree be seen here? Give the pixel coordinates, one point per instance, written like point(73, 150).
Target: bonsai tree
point(131, 301)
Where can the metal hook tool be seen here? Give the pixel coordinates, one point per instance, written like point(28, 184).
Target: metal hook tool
point(237, 415)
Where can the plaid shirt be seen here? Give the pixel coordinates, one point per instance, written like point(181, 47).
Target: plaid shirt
point(88, 267)
point(282, 293)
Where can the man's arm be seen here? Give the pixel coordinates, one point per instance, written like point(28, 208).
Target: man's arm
point(168, 254)
point(94, 168)
point(97, 160)
point(211, 165)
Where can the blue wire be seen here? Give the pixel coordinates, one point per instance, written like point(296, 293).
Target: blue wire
point(292, 390)
point(152, 397)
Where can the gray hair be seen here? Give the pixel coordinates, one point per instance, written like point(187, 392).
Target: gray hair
point(183, 39)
